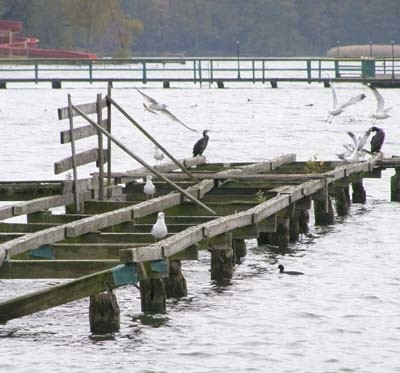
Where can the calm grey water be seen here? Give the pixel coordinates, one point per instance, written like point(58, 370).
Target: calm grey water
point(342, 316)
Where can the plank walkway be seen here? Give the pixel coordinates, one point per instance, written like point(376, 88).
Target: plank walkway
point(110, 241)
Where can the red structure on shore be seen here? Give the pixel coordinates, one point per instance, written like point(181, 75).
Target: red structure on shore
point(13, 45)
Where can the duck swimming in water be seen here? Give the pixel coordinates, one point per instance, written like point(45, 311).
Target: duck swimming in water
point(282, 270)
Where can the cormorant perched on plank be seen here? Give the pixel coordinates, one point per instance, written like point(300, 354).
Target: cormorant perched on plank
point(201, 145)
point(377, 139)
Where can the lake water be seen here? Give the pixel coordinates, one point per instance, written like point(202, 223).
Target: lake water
point(343, 315)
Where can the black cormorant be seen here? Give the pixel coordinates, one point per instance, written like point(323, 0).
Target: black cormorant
point(201, 145)
point(377, 139)
point(282, 270)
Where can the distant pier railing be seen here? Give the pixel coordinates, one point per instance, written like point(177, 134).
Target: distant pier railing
point(204, 70)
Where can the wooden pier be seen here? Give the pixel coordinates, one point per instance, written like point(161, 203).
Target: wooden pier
point(102, 241)
point(381, 72)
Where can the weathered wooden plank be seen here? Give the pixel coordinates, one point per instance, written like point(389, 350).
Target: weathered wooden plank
point(80, 132)
point(6, 212)
point(97, 222)
point(156, 204)
point(33, 240)
point(83, 185)
point(42, 204)
point(57, 295)
point(142, 254)
point(35, 269)
point(174, 244)
point(83, 158)
point(163, 167)
point(89, 108)
point(270, 207)
point(23, 228)
point(227, 223)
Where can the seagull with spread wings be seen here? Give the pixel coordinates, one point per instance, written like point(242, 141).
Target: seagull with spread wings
point(381, 112)
point(153, 107)
point(338, 109)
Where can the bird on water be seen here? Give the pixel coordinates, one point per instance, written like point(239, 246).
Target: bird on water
point(338, 109)
point(154, 107)
point(377, 140)
point(282, 270)
point(159, 229)
point(201, 144)
point(149, 188)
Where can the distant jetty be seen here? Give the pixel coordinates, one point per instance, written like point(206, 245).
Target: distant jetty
point(12, 45)
point(365, 50)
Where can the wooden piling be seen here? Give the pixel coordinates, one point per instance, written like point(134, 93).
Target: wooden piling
point(359, 194)
point(175, 283)
point(222, 258)
point(274, 83)
point(395, 186)
point(342, 207)
point(304, 219)
point(104, 315)
point(220, 84)
point(294, 226)
point(239, 249)
point(166, 84)
point(323, 216)
point(153, 295)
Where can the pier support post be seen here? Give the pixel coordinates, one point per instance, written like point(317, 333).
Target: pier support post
point(220, 84)
point(166, 84)
point(395, 186)
point(323, 211)
point(294, 226)
point(222, 258)
point(274, 83)
point(153, 295)
point(282, 232)
point(239, 249)
point(104, 313)
point(175, 283)
point(304, 219)
point(342, 207)
point(3, 84)
point(56, 84)
point(359, 194)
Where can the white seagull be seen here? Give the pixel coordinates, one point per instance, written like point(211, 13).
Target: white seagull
point(381, 112)
point(159, 229)
point(358, 150)
point(158, 155)
point(149, 189)
point(338, 109)
point(154, 107)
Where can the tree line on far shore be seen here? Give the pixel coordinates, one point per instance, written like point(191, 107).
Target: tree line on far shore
point(124, 28)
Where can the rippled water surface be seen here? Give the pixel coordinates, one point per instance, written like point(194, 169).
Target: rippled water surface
point(343, 315)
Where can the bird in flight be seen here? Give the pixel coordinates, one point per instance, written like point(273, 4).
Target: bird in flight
point(201, 144)
point(153, 107)
point(381, 112)
point(353, 154)
point(338, 109)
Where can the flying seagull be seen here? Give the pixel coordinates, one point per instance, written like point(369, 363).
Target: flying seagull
point(358, 149)
point(381, 112)
point(201, 144)
point(153, 107)
point(159, 229)
point(338, 109)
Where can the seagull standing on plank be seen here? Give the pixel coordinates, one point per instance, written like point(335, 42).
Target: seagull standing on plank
point(149, 188)
point(158, 155)
point(338, 109)
point(381, 112)
point(154, 107)
point(159, 229)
